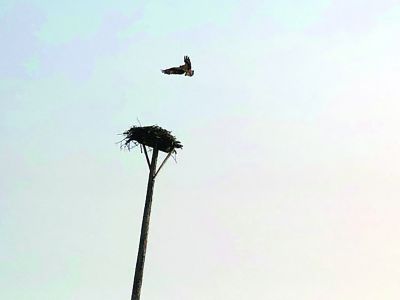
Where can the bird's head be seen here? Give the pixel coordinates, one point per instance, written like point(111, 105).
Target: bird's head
point(190, 73)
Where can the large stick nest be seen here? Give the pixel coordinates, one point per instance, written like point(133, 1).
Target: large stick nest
point(152, 136)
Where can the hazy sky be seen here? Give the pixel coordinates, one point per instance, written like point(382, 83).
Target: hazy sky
point(288, 183)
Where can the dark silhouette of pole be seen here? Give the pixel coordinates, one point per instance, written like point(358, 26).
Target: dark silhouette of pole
point(137, 282)
point(160, 140)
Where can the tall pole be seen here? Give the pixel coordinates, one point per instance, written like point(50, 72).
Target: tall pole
point(137, 282)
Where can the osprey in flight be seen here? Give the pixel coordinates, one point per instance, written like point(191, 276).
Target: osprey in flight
point(184, 69)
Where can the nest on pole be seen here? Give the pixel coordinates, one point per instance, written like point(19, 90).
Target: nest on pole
point(152, 136)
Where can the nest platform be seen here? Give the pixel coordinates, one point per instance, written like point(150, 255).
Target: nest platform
point(152, 136)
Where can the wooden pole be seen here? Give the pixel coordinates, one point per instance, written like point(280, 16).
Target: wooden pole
point(165, 160)
point(137, 282)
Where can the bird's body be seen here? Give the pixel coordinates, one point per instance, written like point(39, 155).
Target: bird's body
point(184, 69)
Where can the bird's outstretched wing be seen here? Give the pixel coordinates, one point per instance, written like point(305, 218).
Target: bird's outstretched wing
point(188, 65)
point(175, 70)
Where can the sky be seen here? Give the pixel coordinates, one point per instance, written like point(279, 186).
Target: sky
point(287, 185)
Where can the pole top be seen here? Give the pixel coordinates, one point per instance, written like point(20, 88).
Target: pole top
point(153, 136)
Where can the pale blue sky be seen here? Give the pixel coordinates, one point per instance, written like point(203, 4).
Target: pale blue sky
point(287, 186)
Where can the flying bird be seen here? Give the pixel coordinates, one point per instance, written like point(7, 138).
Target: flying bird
point(184, 69)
